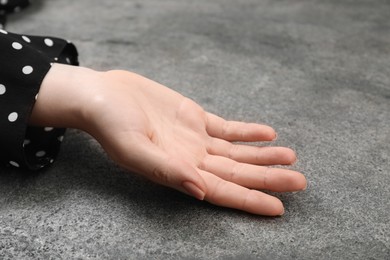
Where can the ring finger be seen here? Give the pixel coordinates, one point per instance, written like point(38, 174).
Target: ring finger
point(254, 176)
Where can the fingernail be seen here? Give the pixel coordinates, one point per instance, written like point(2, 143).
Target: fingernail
point(194, 190)
point(276, 137)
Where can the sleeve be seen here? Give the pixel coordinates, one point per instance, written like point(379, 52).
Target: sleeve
point(24, 62)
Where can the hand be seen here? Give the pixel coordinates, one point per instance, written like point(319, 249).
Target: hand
point(166, 137)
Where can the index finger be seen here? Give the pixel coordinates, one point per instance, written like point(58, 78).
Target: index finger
point(231, 195)
point(238, 131)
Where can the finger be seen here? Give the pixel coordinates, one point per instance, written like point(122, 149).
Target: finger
point(238, 131)
point(253, 176)
point(231, 195)
point(252, 154)
point(150, 161)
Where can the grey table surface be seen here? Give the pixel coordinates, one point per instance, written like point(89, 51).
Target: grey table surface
point(317, 71)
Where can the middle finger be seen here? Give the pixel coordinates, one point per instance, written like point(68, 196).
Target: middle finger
point(252, 154)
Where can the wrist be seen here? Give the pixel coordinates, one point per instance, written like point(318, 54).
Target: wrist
point(64, 96)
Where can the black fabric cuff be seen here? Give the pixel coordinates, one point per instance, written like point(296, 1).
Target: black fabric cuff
point(24, 64)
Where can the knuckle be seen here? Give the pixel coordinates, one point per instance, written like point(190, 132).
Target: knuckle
point(235, 172)
point(214, 194)
point(160, 174)
point(233, 151)
point(246, 200)
point(225, 130)
point(163, 172)
point(242, 134)
point(266, 176)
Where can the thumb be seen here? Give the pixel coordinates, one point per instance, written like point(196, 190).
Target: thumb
point(156, 165)
point(183, 177)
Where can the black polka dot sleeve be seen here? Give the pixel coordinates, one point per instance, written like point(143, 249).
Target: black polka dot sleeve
point(24, 62)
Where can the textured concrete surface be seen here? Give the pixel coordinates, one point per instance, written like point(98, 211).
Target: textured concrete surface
point(318, 71)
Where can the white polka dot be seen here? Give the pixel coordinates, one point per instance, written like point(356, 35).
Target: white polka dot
point(60, 138)
point(40, 153)
point(4, 2)
point(48, 129)
point(17, 9)
point(16, 46)
point(49, 42)
point(2, 89)
point(27, 70)
point(14, 163)
point(26, 142)
point(2, 31)
point(51, 160)
point(12, 117)
point(55, 58)
point(36, 96)
point(67, 60)
point(26, 39)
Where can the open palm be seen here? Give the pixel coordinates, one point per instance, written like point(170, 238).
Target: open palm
point(152, 130)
